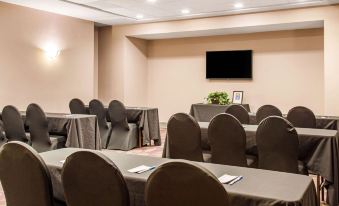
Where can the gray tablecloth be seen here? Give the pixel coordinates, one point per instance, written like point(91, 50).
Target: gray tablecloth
point(205, 112)
point(323, 122)
point(318, 148)
point(258, 187)
point(81, 131)
point(147, 120)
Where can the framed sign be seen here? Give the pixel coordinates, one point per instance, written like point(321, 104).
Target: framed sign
point(237, 97)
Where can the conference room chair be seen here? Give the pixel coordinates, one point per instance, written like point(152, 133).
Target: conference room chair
point(97, 108)
point(184, 138)
point(266, 111)
point(304, 117)
point(13, 124)
point(278, 146)
point(301, 117)
point(124, 135)
point(76, 106)
point(239, 112)
point(227, 138)
point(183, 184)
point(24, 177)
point(90, 178)
point(40, 138)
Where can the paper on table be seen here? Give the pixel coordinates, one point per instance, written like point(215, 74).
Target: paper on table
point(225, 179)
point(141, 169)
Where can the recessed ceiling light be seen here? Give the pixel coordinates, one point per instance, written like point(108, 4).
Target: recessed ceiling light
point(238, 5)
point(151, 1)
point(185, 11)
point(139, 16)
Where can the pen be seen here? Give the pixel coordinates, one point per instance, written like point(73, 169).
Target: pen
point(145, 170)
point(236, 180)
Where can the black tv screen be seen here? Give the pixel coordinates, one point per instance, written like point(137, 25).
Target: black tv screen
point(229, 64)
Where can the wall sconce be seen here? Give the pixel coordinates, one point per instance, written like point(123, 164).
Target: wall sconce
point(51, 52)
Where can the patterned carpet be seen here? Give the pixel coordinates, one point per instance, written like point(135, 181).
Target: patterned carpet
point(155, 151)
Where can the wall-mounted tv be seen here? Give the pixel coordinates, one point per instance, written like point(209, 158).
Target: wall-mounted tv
point(229, 64)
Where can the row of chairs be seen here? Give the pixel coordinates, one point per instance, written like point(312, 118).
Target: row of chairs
point(118, 133)
point(276, 139)
point(86, 185)
point(299, 116)
point(38, 136)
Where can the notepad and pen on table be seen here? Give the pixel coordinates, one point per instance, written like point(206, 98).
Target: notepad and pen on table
point(229, 179)
point(141, 169)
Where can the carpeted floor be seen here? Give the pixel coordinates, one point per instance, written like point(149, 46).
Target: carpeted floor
point(155, 151)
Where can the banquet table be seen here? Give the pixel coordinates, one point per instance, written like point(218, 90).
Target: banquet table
point(322, 122)
point(81, 131)
point(318, 148)
point(205, 112)
point(147, 120)
point(258, 187)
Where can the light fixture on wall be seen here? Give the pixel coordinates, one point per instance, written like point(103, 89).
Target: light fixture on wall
point(238, 5)
point(185, 11)
point(139, 16)
point(51, 51)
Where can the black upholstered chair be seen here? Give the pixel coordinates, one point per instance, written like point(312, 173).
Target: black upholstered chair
point(266, 111)
point(304, 118)
point(99, 181)
point(183, 184)
point(239, 112)
point(76, 106)
point(301, 117)
point(97, 108)
point(24, 176)
point(38, 128)
point(227, 138)
point(13, 124)
point(278, 146)
point(124, 135)
point(184, 138)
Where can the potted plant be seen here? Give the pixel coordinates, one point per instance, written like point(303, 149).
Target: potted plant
point(218, 98)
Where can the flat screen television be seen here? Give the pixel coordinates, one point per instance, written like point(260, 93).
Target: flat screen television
point(229, 64)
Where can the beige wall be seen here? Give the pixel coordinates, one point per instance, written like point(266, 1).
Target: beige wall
point(26, 75)
point(286, 65)
point(323, 102)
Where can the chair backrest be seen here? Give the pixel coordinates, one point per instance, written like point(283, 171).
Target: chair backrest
point(118, 114)
point(76, 106)
point(24, 176)
point(38, 128)
point(266, 111)
point(90, 178)
point(13, 124)
point(97, 108)
point(227, 138)
point(239, 112)
point(278, 144)
point(184, 138)
point(183, 184)
point(301, 117)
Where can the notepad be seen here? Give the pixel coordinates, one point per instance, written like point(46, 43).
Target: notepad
point(229, 179)
point(141, 169)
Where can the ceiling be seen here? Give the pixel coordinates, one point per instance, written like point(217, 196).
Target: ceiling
point(113, 12)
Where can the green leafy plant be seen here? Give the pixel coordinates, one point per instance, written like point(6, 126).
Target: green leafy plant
point(218, 98)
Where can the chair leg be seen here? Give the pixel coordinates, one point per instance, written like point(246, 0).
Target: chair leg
point(318, 188)
point(322, 189)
